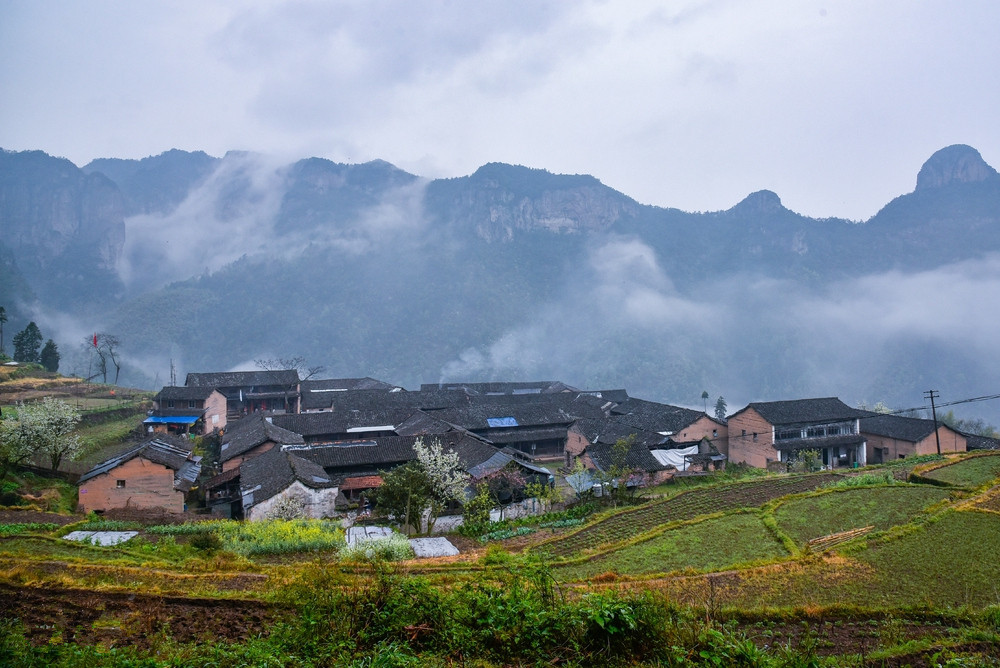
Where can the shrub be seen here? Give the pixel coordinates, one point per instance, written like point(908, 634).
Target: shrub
point(206, 542)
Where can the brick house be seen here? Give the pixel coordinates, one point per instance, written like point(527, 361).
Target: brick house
point(766, 433)
point(183, 410)
point(252, 391)
point(154, 474)
point(896, 437)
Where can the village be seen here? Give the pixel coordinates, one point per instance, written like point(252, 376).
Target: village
point(322, 446)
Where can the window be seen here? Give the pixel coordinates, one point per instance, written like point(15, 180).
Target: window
point(744, 434)
point(170, 404)
point(120, 484)
point(715, 433)
point(191, 403)
point(755, 437)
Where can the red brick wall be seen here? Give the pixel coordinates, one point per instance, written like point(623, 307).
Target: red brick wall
point(951, 441)
point(742, 446)
point(147, 485)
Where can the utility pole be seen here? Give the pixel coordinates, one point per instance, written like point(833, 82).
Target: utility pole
point(932, 395)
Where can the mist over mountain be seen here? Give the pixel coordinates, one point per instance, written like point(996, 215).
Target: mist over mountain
point(508, 273)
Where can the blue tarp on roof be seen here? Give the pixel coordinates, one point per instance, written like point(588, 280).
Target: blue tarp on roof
point(502, 422)
point(176, 419)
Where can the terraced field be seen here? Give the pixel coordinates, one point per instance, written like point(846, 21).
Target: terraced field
point(970, 472)
point(708, 545)
point(882, 507)
point(684, 506)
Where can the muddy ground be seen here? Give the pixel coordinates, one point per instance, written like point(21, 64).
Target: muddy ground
point(117, 619)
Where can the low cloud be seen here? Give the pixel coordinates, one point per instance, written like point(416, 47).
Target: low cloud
point(887, 336)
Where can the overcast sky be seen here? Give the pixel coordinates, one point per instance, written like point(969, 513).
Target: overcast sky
point(833, 105)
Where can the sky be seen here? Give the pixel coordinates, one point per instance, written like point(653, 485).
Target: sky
point(687, 104)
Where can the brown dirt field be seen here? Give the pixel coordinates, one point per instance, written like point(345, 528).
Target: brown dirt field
point(13, 516)
point(114, 619)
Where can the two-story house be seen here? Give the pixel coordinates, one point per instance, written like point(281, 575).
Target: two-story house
point(768, 432)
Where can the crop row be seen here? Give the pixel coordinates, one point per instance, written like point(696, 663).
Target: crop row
point(685, 506)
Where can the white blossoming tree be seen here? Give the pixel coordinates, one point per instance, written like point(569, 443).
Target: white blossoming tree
point(445, 476)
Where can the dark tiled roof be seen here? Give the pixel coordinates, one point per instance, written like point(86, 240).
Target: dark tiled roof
point(977, 442)
point(804, 411)
point(186, 465)
point(505, 436)
point(388, 451)
point(656, 417)
point(272, 472)
point(638, 457)
point(545, 412)
point(322, 394)
point(609, 430)
point(529, 387)
point(286, 377)
point(380, 400)
point(251, 432)
point(175, 393)
point(844, 440)
point(318, 425)
point(897, 426)
point(420, 422)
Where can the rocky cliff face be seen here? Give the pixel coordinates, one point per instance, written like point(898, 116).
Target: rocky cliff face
point(499, 201)
point(954, 164)
point(57, 221)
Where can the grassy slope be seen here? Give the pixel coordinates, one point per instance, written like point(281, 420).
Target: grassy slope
point(851, 508)
point(709, 545)
point(970, 472)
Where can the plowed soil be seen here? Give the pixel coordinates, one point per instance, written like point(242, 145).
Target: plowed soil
point(116, 619)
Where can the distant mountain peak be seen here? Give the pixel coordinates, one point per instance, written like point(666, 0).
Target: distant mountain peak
point(954, 164)
point(760, 202)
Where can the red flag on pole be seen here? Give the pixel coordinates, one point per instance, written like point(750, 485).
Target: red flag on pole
point(95, 339)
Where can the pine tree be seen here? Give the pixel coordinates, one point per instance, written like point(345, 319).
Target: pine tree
point(26, 343)
point(50, 356)
point(720, 408)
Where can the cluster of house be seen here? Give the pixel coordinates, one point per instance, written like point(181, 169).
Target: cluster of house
point(323, 444)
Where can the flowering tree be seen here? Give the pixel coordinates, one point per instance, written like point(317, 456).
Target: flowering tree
point(446, 479)
point(42, 428)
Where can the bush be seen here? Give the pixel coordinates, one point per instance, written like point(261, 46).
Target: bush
point(206, 542)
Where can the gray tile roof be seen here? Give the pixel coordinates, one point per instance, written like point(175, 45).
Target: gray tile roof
point(654, 416)
point(186, 465)
point(638, 457)
point(528, 387)
point(334, 425)
point(977, 442)
point(251, 431)
point(609, 430)
point(272, 472)
point(898, 427)
point(805, 411)
point(322, 394)
point(285, 377)
point(179, 393)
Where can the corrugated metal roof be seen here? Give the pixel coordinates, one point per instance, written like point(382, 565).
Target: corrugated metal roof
point(175, 419)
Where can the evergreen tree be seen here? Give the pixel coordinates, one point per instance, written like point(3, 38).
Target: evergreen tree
point(26, 343)
point(3, 319)
point(720, 408)
point(50, 356)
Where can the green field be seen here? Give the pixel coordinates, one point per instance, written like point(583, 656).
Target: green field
point(852, 508)
point(950, 562)
point(709, 545)
point(971, 472)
